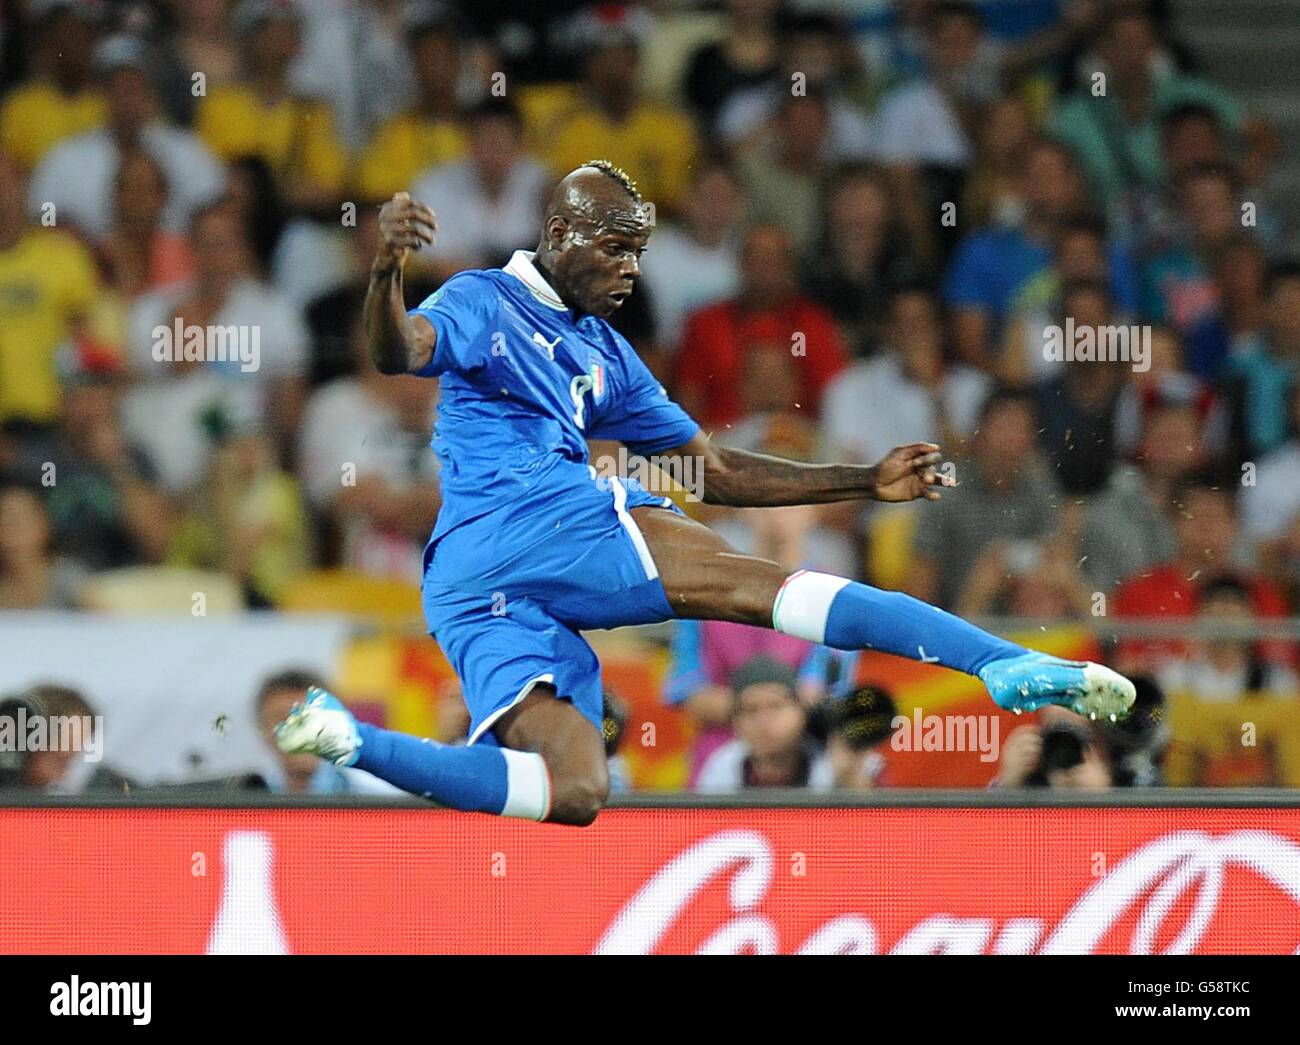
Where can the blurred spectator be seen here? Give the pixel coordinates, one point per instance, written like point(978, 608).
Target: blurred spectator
point(492, 200)
point(655, 145)
point(1258, 378)
point(61, 99)
point(1060, 754)
point(862, 256)
point(912, 391)
point(1138, 745)
point(1129, 527)
point(771, 748)
point(365, 463)
point(1076, 409)
point(225, 295)
point(203, 39)
point(769, 310)
point(1180, 288)
point(1241, 277)
point(1115, 127)
point(1228, 666)
point(1208, 547)
point(695, 262)
point(1270, 499)
point(745, 56)
point(993, 189)
point(430, 132)
point(1149, 217)
point(814, 56)
point(138, 254)
point(926, 121)
point(261, 115)
point(783, 176)
point(1036, 580)
point(861, 726)
point(1080, 255)
point(247, 520)
point(73, 765)
point(705, 654)
point(48, 289)
point(304, 774)
point(77, 177)
point(996, 271)
point(1166, 381)
point(105, 506)
point(32, 576)
point(1004, 496)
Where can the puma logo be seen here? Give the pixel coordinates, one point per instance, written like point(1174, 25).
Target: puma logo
point(547, 346)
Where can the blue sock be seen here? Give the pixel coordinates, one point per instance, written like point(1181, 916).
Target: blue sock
point(851, 616)
point(479, 778)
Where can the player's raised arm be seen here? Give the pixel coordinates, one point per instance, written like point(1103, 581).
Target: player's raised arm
point(741, 479)
point(398, 344)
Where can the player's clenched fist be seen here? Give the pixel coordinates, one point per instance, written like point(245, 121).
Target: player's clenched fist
point(404, 225)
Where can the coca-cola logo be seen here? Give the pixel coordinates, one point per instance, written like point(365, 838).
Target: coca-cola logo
point(1163, 871)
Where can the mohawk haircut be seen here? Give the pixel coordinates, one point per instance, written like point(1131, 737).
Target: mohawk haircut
point(619, 175)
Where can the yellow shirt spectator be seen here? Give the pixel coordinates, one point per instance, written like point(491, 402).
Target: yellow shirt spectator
point(37, 116)
point(48, 286)
point(404, 146)
point(655, 146)
point(295, 136)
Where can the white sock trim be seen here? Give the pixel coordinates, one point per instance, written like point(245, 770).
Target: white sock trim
point(528, 785)
point(803, 603)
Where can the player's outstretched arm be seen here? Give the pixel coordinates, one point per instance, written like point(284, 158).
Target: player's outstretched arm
point(398, 344)
point(741, 479)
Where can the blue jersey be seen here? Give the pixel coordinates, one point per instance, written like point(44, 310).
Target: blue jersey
point(523, 386)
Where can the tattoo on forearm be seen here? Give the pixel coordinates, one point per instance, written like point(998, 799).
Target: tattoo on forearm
point(750, 480)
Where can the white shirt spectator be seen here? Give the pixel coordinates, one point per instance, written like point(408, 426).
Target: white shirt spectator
point(283, 338)
point(1268, 507)
point(477, 228)
point(345, 425)
point(356, 60)
point(874, 406)
point(77, 177)
point(918, 127)
point(169, 420)
point(724, 771)
point(682, 276)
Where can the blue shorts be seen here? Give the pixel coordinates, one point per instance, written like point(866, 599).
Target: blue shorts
point(512, 623)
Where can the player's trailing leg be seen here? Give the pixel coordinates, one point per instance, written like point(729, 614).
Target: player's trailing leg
point(563, 779)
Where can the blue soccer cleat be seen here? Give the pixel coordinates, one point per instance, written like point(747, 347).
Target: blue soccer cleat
point(1027, 682)
point(322, 726)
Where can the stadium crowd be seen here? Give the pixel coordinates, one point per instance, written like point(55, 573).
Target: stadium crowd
point(870, 218)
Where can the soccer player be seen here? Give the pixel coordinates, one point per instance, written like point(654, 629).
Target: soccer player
point(532, 545)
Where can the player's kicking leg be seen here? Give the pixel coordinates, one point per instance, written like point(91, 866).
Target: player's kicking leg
point(706, 578)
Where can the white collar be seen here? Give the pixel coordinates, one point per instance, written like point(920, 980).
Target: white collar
point(522, 268)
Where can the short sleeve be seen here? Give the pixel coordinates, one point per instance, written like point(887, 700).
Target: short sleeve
point(462, 312)
point(641, 415)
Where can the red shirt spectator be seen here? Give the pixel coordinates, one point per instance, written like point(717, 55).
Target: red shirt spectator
point(768, 314)
point(1206, 528)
